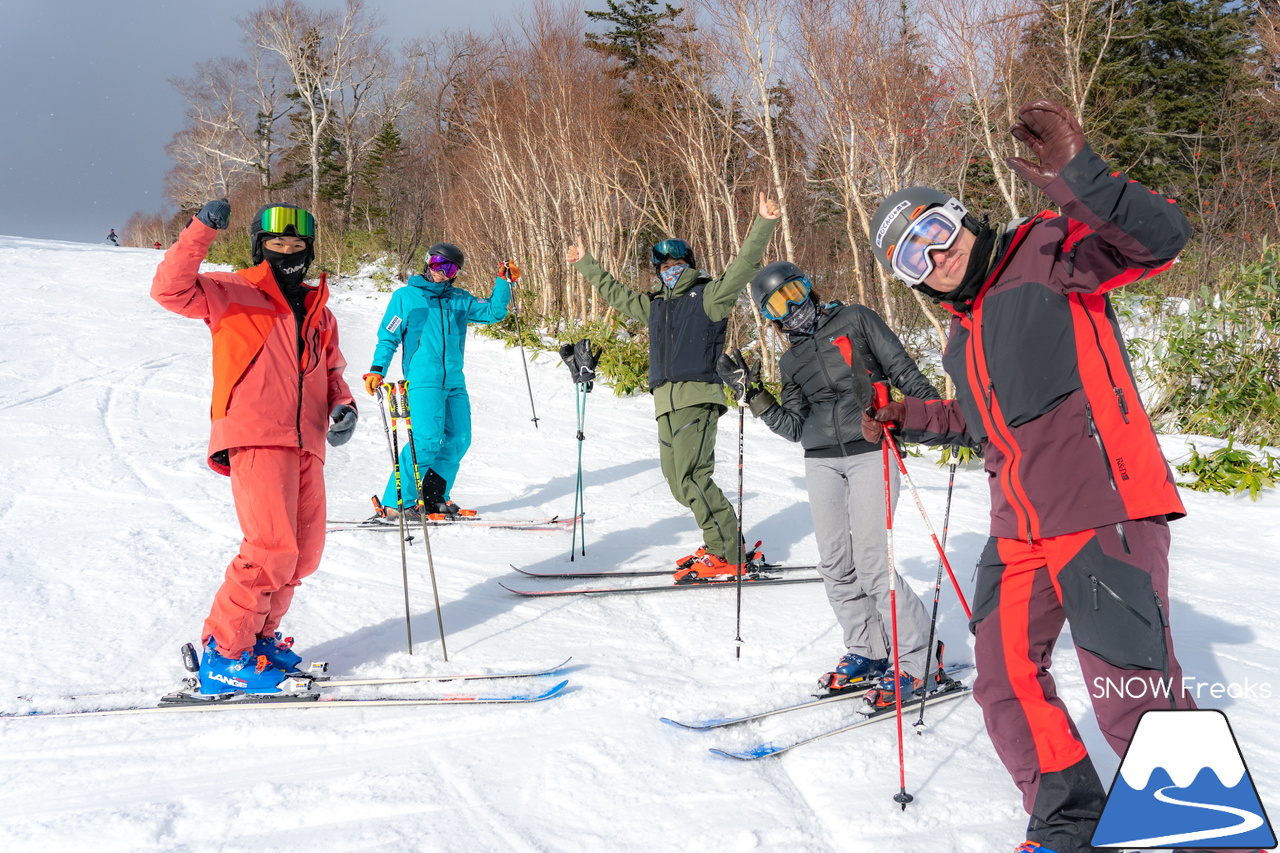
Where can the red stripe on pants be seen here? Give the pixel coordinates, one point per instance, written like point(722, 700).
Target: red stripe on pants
point(280, 501)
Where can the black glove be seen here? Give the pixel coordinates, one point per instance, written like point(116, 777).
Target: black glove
point(215, 214)
point(344, 423)
point(1053, 135)
point(581, 359)
point(586, 357)
point(734, 371)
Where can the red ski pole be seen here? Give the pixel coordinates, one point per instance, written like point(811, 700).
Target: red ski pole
point(902, 797)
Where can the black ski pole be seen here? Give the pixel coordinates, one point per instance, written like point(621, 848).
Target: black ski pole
point(937, 592)
point(393, 444)
point(511, 273)
point(742, 543)
point(422, 512)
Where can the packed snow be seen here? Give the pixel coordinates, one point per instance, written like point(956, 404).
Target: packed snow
point(114, 535)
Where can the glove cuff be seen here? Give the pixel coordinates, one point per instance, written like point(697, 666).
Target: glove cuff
point(760, 401)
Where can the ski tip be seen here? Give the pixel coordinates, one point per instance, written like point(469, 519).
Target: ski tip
point(553, 691)
point(749, 755)
point(693, 727)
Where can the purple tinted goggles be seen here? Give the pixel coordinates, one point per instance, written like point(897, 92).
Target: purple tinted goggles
point(442, 264)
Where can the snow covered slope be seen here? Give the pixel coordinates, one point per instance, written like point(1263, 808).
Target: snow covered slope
point(114, 536)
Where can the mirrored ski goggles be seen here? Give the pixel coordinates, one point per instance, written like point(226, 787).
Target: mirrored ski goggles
point(441, 264)
point(670, 250)
point(275, 220)
point(778, 304)
point(912, 258)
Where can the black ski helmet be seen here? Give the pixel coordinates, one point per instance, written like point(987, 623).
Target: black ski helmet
point(444, 250)
point(770, 278)
point(671, 249)
point(257, 233)
point(899, 210)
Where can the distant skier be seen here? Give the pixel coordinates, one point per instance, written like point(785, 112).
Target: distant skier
point(1080, 491)
point(821, 407)
point(428, 317)
point(277, 384)
point(157, 244)
point(685, 337)
point(112, 239)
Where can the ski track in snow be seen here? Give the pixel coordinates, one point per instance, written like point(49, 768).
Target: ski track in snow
point(114, 535)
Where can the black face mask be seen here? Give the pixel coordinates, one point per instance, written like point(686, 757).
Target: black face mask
point(975, 273)
point(289, 270)
point(802, 319)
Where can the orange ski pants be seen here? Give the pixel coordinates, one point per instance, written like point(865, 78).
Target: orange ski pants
point(279, 497)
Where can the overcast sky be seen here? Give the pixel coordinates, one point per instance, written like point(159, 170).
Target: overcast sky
point(86, 107)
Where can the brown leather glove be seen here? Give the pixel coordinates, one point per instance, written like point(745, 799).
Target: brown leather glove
point(873, 425)
point(1053, 135)
point(371, 382)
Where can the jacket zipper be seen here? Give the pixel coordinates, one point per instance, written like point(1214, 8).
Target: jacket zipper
point(1115, 389)
point(1096, 435)
point(835, 414)
point(444, 343)
point(301, 349)
point(989, 395)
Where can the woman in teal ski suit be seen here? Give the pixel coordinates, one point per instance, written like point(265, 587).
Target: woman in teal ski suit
point(428, 317)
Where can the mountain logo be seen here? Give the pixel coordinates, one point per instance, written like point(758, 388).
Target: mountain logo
point(1183, 781)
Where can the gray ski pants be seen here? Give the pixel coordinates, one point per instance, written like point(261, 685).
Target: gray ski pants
point(846, 499)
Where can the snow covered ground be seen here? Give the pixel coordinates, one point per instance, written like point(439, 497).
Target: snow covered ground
point(114, 536)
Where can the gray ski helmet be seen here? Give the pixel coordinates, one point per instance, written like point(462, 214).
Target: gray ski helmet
point(897, 212)
point(770, 278)
point(447, 250)
point(302, 225)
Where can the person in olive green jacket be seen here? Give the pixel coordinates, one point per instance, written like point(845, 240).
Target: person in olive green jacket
point(687, 319)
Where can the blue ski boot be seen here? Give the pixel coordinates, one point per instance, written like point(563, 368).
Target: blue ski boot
point(854, 672)
point(279, 651)
point(250, 673)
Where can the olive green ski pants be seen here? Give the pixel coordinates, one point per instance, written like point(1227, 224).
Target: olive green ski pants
point(687, 451)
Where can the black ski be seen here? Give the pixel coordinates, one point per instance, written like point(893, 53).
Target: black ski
point(954, 691)
point(642, 573)
point(728, 582)
point(390, 525)
point(854, 693)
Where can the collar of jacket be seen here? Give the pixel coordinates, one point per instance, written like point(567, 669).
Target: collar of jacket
point(435, 288)
point(262, 278)
point(1010, 236)
point(684, 284)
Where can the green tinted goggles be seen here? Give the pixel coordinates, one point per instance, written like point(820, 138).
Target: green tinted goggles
point(277, 220)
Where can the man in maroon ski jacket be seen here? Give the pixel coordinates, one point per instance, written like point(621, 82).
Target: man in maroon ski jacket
point(1080, 493)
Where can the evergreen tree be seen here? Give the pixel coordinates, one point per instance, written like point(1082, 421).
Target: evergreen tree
point(1169, 69)
point(638, 35)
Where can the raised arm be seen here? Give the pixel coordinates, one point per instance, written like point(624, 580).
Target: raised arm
point(721, 295)
point(1133, 227)
point(178, 285)
point(622, 298)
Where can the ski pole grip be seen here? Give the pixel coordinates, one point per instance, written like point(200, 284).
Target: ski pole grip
point(880, 395)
